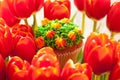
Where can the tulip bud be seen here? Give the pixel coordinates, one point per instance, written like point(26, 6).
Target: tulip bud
point(113, 17)
point(21, 8)
point(45, 65)
point(24, 44)
point(17, 69)
point(97, 9)
point(7, 15)
point(76, 71)
point(114, 74)
point(80, 4)
point(99, 52)
point(57, 9)
point(6, 40)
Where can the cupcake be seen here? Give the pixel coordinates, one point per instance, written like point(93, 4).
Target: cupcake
point(62, 35)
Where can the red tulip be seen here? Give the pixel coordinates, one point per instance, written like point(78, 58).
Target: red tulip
point(117, 52)
point(76, 71)
point(24, 45)
point(38, 4)
point(22, 28)
point(99, 52)
point(57, 9)
point(17, 69)
point(21, 8)
point(97, 9)
point(113, 18)
point(80, 4)
point(78, 76)
point(6, 40)
point(24, 8)
point(2, 69)
point(6, 14)
point(115, 73)
point(45, 65)
point(86, 69)
point(40, 52)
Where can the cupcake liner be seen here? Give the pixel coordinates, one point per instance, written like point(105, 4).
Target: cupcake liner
point(71, 53)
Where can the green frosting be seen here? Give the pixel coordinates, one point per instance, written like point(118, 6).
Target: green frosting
point(62, 31)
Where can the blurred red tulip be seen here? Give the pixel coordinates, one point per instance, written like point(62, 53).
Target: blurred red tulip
point(45, 50)
point(57, 9)
point(79, 4)
point(6, 14)
point(113, 18)
point(40, 52)
point(6, 40)
point(99, 52)
point(38, 4)
point(22, 28)
point(2, 69)
point(97, 9)
point(86, 69)
point(45, 65)
point(76, 71)
point(115, 73)
point(21, 8)
point(24, 8)
point(78, 76)
point(24, 44)
point(17, 69)
point(117, 52)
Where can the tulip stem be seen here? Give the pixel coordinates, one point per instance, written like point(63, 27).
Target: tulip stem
point(73, 17)
point(106, 76)
point(83, 22)
point(34, 26)
point(80, 56)
point(26, 22)
point(94, 25)
point(112, 34)
point(96, 77)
